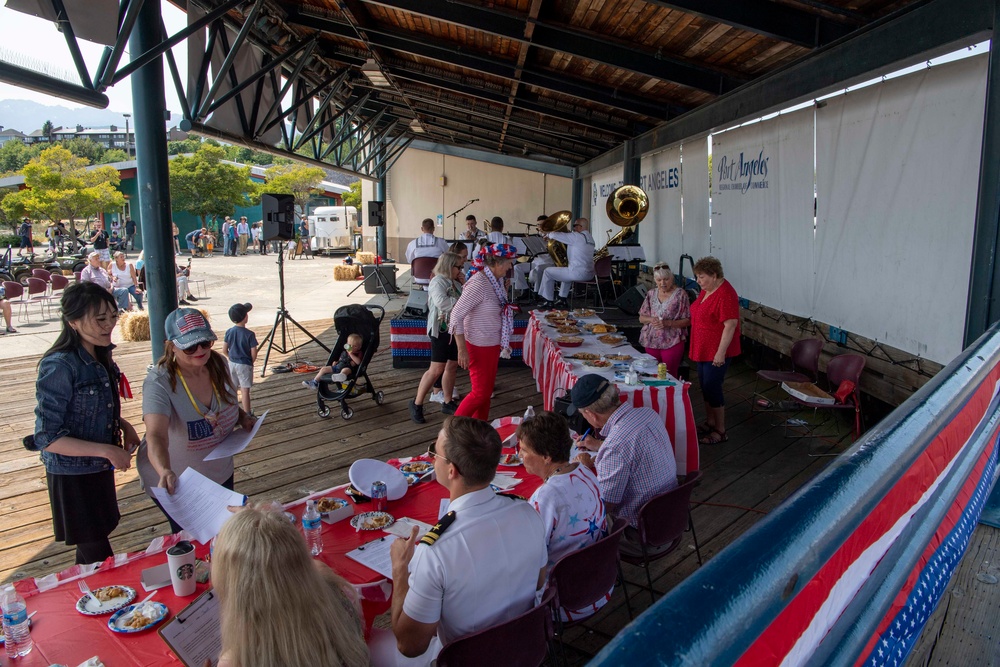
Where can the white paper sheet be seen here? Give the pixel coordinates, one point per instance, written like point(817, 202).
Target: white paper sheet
point(195, 633)
point(198, 505)
point(236, 441)
point(404, 527)
point(375, 555)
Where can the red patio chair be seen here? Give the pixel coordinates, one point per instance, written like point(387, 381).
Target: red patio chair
point(14, 292)
point(805, 368)
point(585, 576)
point(522, 641)
point(602, 275)
point(662, 522)
point(38, 293)
point(842, 367)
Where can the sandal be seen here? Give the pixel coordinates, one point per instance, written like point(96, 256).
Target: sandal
point(705, 429)
point(713, 438)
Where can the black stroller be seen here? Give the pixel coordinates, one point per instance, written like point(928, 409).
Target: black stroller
point(352, 319)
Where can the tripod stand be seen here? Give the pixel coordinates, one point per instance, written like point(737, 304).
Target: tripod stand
point(387, 292)
point(283, 318)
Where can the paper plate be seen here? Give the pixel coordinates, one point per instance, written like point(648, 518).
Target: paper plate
point(361, 521)
point(118, 620)
point(365, 471)
point(98, 608)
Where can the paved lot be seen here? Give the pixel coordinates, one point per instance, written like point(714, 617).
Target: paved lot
point(311, 293)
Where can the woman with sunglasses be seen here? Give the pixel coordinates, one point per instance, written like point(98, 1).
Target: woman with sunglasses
point(665, 315)
point(78, 424)
point(442, 294)
point(189, 406)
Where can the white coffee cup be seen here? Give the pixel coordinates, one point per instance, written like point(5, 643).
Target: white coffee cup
point(180, 560)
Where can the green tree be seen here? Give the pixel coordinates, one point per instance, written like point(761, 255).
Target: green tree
point(47, 129)
point(203, 185)
point(187, 146)
point(353, 197)
point(85, 148)
point(296, 179)
point(114, 155)
point(14, 155)
point(58, 186)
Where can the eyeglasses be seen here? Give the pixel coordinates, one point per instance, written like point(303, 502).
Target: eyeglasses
point(431, 452)
point(203, 345)
point(661, 266)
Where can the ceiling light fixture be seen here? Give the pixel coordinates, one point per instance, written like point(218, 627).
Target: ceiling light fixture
point(374, 74)
point(415, 126)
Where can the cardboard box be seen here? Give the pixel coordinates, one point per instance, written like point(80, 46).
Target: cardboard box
point(808, 392)
point(345, 512)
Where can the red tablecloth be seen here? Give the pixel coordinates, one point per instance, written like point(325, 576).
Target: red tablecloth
point(62, 635)
point(554, 375)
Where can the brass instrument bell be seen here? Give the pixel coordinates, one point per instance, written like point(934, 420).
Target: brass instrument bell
point(626, 207)
point(557, 222)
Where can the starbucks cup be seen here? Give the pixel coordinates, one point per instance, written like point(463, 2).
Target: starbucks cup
point(180, 560)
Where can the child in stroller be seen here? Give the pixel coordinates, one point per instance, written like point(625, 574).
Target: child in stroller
point(353, 322)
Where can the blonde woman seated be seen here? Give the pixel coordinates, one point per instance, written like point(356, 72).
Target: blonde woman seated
point(278, 606)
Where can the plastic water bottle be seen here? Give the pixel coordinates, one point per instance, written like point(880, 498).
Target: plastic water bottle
point(529, 413)
point(312, 524)
point(17, 634)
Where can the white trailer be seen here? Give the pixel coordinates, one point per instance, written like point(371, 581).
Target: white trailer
point(332, 228)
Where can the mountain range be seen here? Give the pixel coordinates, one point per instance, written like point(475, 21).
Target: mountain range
point(26, 116)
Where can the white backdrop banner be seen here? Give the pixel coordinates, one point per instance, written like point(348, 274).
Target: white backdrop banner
point(897, 180)
point(660, 233)
point(602, 184)
point(694, 174)
point(762, 210)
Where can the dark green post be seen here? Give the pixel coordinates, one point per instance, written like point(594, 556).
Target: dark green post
point(576, 198)
point(380, 240)
point(148, 104)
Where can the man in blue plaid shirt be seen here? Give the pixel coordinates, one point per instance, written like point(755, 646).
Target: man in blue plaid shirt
point(635, 460)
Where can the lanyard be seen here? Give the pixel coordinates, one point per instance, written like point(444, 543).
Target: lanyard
point(194, 403)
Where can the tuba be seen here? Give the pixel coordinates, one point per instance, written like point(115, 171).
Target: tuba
point(557, 222)
point(626, 207)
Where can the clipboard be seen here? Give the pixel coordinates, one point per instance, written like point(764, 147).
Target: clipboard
point(194, 634)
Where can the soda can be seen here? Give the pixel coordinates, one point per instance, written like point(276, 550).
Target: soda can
point(378, 496)
point(661, 371)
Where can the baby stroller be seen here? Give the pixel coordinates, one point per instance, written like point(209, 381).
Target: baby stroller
point(352, 319)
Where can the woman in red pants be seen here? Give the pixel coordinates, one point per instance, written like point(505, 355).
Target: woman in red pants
point(482, 322)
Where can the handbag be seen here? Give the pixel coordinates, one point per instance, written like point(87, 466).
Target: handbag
point(845, 390)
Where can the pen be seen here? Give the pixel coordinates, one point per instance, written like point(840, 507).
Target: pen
point(584, 436)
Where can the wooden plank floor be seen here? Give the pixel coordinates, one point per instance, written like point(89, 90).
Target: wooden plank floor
point(296, 452)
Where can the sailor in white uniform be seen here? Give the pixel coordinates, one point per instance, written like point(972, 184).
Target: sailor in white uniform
point(525, 272)
point(580, 257)
point(496, 235)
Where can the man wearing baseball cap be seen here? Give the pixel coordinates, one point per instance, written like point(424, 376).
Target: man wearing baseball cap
point(240, 345)
point(635, 460)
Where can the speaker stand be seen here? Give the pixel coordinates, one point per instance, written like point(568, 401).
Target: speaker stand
point(282, 318)
point(387, 292)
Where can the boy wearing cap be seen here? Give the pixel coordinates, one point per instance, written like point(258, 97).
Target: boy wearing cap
point(240, 345)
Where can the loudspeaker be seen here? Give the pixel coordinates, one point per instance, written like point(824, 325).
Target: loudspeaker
point(388, 272)
point(376, 213)
point(279, 217)
point(416, 305)
point(631, 301)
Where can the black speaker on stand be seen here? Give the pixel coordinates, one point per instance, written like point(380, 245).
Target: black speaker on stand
point(376, 214)
point(279, 224)
point(631, 301)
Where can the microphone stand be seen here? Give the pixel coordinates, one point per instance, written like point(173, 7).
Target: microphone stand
point(454, 219)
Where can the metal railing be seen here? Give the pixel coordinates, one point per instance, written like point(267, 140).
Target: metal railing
point(719, 612)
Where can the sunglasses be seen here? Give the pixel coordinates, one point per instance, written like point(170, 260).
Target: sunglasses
point(203, 345)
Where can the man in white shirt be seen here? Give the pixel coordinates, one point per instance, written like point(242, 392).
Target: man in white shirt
point(532, 271)
point(497, 235)
point(426, 245)
point(480, 565)
point(580, 259)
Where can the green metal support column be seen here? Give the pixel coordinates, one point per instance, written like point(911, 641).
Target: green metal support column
point(380, 240)
point(576, 198)
point(632, 165)
point(984, 284)
point(148, 103)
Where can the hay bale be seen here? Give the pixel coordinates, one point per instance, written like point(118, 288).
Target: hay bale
point(346, 272)
point(364, 257)
point(134, 326)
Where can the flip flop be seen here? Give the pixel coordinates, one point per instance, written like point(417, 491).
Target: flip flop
point(713, 438)
point(705, 429)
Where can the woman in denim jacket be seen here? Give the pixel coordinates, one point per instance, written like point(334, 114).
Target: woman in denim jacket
point(78, 427)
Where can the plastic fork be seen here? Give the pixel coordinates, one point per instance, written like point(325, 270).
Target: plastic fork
point(84, 588)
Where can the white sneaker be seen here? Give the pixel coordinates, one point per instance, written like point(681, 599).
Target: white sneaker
point(437, 397)
point(310, 384)
point(338, 377)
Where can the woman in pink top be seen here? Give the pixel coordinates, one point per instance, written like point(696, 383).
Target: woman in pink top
point(482, 322)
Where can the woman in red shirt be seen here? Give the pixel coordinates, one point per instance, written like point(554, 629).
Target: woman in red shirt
point(715, 339)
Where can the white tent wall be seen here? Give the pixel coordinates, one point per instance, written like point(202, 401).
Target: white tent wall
point(661, 232)
point(694, 186)
point(897, 178)
point(762, 210)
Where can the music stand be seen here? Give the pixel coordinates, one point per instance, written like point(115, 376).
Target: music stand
point(536, 245)
point(282, 319)
point(381, 283)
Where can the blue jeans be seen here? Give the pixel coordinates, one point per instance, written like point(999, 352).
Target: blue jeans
point(135, 295)
point(710, 378)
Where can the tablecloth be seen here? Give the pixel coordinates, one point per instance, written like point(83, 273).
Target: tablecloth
point(555, 375)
